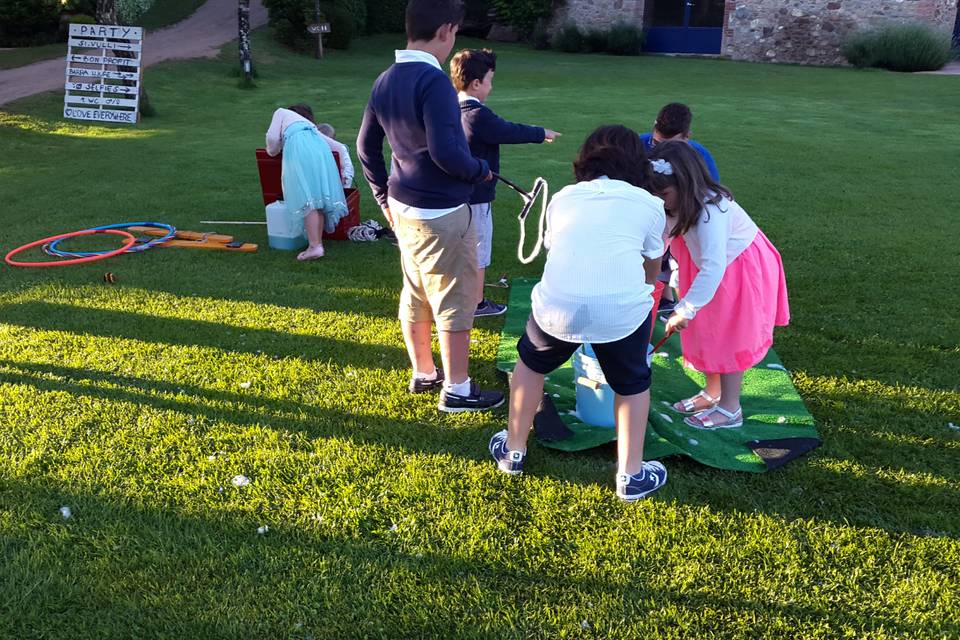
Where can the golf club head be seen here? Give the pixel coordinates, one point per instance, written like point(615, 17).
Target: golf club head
point(532, 197)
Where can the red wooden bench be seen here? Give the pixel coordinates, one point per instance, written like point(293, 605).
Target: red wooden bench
point(270, 169)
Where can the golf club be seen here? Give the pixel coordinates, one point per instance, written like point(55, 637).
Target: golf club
point(529, 198)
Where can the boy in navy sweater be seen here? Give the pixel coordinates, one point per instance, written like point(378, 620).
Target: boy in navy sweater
point(472, 73)
point(425, 199)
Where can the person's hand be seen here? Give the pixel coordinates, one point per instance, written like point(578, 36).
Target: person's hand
point(388, 216)
point(676, 323)
point(550, 135)
point(489, 177)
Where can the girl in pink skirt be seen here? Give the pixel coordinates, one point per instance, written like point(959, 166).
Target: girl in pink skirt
point(732, 287)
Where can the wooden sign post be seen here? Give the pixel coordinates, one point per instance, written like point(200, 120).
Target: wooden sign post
point(104, 73)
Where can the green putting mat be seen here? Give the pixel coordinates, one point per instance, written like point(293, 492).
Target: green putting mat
point(777, 426)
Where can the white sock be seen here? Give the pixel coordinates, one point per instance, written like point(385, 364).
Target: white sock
point(461, 389)
point(425, 376)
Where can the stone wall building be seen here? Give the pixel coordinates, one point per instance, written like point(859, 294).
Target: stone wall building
point(797, 31)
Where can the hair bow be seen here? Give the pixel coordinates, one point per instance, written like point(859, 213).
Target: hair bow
point(662, 166)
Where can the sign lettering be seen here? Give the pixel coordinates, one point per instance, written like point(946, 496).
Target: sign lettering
point(103, 85)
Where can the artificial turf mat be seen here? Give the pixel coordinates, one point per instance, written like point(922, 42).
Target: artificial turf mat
point(777, 426)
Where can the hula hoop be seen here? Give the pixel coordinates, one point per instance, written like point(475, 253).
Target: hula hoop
point(53, 249)
point(62, 263)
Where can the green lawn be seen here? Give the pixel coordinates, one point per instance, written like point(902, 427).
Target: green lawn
point(20, 56)
point(135, 404)
point(162, 14)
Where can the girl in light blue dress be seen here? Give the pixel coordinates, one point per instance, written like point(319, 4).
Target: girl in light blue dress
point(312, 189)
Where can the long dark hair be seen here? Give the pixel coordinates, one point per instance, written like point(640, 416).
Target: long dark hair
point(303, 110)
point(614, 151)
point(695, 186)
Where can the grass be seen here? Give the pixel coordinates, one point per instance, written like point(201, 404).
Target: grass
point(136, 403)
point(162, 14)
point(21, 56)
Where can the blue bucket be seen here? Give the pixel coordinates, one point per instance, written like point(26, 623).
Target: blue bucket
point(594, 396)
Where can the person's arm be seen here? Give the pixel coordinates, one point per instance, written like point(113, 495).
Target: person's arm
point(446, 141)
point(274, 141)
point(348, 170)
point(370, 152)
point(711, 235)
point(492, 129)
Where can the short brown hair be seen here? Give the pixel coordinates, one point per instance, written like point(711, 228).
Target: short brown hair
point(471, 64)
point(424, 17)
point(674, 118)
point(614, 151)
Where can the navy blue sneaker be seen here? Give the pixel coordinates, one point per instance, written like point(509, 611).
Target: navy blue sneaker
point(418, 385)
point(489, 308)
point(477, 400)
point(652, 476)
point(507, 461)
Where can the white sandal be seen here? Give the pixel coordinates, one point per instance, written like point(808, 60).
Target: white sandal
point(702, 420)
point(689, 405)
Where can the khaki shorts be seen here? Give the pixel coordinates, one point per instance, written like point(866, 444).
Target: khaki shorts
point(439, 260)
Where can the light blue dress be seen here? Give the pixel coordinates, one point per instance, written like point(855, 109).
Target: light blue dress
point(310, 177)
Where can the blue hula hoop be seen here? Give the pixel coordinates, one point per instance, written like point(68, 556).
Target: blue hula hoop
point(54, 250)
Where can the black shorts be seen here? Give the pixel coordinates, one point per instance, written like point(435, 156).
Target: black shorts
point(624, 362)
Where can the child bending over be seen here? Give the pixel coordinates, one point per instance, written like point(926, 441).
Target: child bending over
point(732, 287)
point(312, 190)
point(599, 230)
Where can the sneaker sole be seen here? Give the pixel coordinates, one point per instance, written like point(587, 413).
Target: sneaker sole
point(489, 315)
point(512, 472)
point(469, 409)
point(641, 496)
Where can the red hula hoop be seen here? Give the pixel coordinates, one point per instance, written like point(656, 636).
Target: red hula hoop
point(130, 241)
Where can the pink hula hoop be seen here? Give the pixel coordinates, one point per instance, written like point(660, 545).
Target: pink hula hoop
point(130, 241)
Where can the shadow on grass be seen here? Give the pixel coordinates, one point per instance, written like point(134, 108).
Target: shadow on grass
point(244, 410)
point(174, 331)
point(809, 488)
point(121, 569)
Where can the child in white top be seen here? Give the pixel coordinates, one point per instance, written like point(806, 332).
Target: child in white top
point(732, 285)
point(346, 164)
point(601, 229)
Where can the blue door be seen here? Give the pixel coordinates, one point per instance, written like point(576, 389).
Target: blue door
point(684, 26)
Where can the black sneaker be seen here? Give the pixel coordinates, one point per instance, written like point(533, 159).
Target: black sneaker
point(652, 476)
point(489, 308)
point(478, 400)
point(507, 461)
point(418, 385)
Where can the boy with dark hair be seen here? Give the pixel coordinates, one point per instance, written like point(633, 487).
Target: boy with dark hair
point(424, 198)
point(471, 71)
point(673, 123)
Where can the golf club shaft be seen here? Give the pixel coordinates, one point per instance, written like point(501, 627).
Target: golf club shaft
point(512, 185)
point(662, 340)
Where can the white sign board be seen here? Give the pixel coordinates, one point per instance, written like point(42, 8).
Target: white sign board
point(104, 73)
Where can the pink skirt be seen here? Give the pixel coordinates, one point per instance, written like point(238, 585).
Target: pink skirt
point(734, 330)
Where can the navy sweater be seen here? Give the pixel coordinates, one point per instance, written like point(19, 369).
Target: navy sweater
point(414, 106)
point(486, 131)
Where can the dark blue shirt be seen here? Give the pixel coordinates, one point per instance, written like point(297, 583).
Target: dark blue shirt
point(486, 131)
point(414, 106)
point(647, 139)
